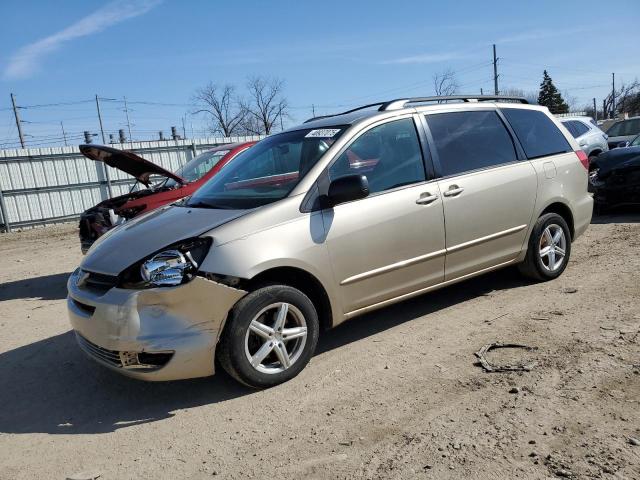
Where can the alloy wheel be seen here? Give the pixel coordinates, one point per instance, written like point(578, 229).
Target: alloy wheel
point(553, 246)
point(276, 338)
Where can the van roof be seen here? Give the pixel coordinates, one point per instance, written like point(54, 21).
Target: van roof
point(379, 108)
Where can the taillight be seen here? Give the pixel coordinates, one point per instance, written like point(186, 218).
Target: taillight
point(584, 160)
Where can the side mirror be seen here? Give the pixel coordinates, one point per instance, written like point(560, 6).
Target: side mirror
point(623, 144)
point(346, 189)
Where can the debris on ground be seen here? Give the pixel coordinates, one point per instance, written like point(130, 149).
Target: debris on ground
point(85, 476)
point(489, 367)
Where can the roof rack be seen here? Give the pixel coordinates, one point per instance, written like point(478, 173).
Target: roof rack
point(348, 111)
point(400, 103)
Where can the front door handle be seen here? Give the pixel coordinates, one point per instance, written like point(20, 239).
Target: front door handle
point(453, 191)
point(426, 198)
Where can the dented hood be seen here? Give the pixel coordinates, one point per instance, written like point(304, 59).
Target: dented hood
point(132, 241)
point(128, 162)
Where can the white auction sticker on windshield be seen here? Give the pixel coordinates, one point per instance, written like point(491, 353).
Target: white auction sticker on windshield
point(322, 133)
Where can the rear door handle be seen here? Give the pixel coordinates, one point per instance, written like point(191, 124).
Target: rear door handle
point(453, 191)
point(426, 198)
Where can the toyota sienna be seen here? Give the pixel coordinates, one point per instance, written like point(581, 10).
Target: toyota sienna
point(333, 218)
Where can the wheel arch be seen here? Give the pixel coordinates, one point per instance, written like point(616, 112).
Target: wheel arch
point(302, 280)
point(564, 211)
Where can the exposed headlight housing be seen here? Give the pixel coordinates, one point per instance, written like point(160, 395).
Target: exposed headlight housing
point(171, 266)
point(166, 268)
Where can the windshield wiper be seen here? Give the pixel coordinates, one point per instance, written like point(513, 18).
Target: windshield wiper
point(201, 204)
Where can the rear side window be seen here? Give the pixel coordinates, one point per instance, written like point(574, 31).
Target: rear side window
point(538, 135)
point(570, 125)
point(576, 128)
point(468, 141)
point(581, 128)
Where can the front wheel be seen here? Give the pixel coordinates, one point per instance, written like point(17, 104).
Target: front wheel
point(270, 336)
point(549, 248)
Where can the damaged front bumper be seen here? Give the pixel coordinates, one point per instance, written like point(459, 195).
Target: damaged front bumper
point(154, 334)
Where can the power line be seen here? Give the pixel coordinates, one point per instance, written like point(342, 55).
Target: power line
point(47, 105)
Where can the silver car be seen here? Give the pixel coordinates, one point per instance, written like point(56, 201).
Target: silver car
point(591, 139)
point(323, 222)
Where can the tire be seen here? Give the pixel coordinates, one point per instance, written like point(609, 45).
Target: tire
point(542, 267)
point(261, 310)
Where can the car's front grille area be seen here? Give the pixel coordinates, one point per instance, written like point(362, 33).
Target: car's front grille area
point(88, 309)
point(144, 361)
point(98, 282)
point(111, 357)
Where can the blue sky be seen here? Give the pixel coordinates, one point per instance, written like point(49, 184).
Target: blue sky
point(334, 54)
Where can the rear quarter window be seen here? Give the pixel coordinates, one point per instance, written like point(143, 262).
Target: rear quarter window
point(537, 134)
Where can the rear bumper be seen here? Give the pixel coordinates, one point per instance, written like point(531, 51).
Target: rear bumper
point(155, 334)
point(582, 213)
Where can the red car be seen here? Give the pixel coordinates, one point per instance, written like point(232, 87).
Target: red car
point(174, 186)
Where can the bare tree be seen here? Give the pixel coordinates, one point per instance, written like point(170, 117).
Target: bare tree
point(227, 113)
point(445, 83)
point(571, 101)
point(626, 99)
point(531, 96)
point(266, 104)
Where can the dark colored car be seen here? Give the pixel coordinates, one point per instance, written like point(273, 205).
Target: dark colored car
point(623, 131)
point(615, 176)
point(169, 188)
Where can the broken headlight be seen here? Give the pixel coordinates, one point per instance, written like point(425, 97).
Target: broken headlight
point(171, 266)
point(594, 179)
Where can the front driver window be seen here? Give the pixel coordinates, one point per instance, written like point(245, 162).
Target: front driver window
point(389, 155)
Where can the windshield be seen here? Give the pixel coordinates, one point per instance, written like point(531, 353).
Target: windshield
point(635, 142)
point(268, 171)
point(197, 167)
point(626, 127)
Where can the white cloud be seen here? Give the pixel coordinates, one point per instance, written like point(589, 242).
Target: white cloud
point(425, 58)
point(27, 59)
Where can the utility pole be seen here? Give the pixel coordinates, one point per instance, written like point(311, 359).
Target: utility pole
point(595, 110)
point(64, 135)
point(184, 130)
point(495, 71)
point(613, 95)
point(481, 91)
point(313, 110)
point(100, 119)
point(18, 122)
point(126, 111)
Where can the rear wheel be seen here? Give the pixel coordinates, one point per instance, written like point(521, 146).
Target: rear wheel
point(549, 248)
point(270, 336)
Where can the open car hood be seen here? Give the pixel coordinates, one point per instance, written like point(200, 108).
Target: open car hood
point(128, 162)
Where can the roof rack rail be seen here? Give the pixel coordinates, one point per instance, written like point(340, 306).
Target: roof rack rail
point(348, 111)
point(400, 103)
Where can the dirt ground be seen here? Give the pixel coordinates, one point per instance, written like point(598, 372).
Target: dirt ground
point(394, 394)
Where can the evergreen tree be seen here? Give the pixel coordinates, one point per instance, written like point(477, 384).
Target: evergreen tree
point(550, 97)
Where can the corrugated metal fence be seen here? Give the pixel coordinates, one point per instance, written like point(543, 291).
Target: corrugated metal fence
point(39, 186)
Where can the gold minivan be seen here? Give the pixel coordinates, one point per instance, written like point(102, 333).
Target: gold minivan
point(320, 223)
